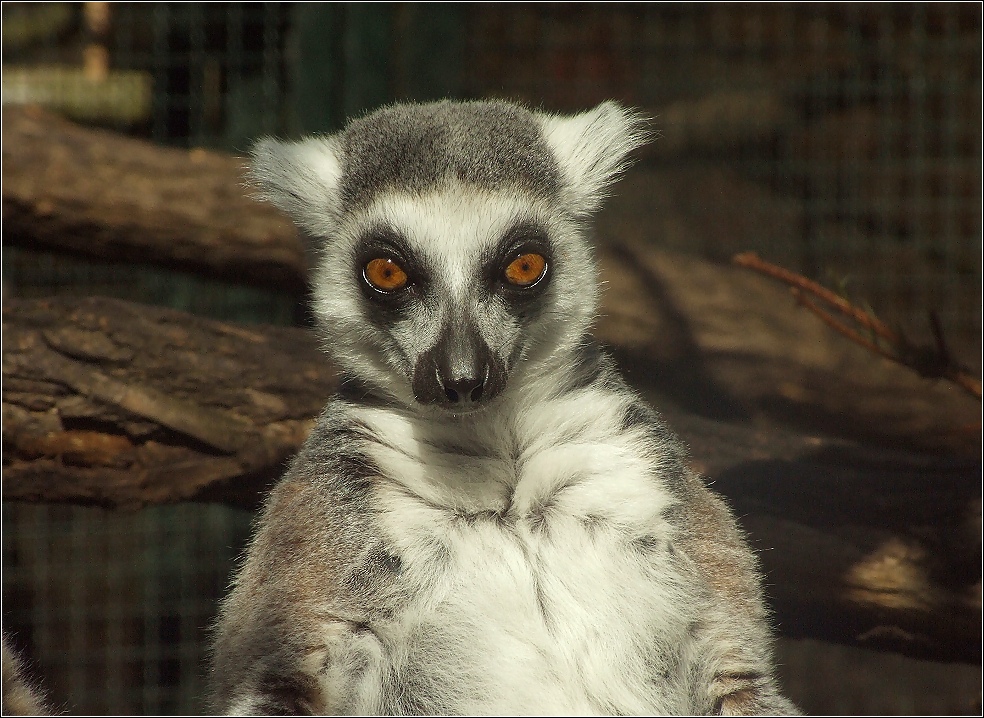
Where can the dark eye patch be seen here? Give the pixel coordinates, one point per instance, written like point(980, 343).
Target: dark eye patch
point(387, 244)
point(524, 235)
point(523, 238)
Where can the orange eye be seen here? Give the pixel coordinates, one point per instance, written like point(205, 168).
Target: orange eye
point(526, 269)
point(385, 275)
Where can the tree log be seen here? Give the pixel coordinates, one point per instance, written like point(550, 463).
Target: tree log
point(116, 404)
point(103, 195)
point(721, 342)
point(111, 403)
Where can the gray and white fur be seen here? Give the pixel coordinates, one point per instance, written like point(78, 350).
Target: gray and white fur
point(486, 520)
point(20, 695)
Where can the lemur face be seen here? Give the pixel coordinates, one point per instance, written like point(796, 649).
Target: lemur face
point(459, 285)
point(452, 251)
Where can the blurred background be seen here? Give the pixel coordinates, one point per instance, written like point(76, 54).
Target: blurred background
point(842, 141)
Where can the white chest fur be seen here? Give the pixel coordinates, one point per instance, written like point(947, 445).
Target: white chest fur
point(535, 575)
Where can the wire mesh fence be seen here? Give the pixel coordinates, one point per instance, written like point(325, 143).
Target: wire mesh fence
point(841, 140)
point(114, 609)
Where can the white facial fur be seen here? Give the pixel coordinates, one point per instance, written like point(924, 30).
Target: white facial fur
point(450, 231)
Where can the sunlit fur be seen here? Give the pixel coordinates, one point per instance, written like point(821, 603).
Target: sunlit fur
point(21, 697)
point(545, 551)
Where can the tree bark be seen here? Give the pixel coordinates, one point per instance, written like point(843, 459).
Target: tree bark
point(106, 196)
point(111, 403)
point(117, 404)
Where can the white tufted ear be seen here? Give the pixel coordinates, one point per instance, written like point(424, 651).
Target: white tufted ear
point(591, 150)
point(300, 178)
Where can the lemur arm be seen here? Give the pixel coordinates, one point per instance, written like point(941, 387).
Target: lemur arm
point(284, 644)
point(734, 632)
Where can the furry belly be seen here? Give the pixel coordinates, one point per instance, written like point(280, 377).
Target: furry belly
point(563, 617)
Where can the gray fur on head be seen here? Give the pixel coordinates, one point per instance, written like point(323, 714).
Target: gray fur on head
point(414, 148)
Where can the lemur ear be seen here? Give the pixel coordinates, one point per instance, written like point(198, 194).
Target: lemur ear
point(300, 178)
point(591, 150)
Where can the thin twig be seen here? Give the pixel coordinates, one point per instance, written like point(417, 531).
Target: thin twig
point(929, 361)
point(753, 261)
point(839, 326)
point(964, 379)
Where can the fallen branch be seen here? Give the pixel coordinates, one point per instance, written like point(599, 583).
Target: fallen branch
point(931, 362)
point(116, 404)
point(102, 195)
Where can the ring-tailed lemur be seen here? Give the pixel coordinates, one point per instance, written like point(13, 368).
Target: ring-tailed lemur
point(486, 520)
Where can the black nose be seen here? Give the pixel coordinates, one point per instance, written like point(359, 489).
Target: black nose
point(464, 391)
point(459, 373)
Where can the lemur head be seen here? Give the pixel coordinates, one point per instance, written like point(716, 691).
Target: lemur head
point(451, 240)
